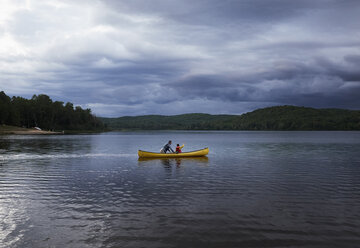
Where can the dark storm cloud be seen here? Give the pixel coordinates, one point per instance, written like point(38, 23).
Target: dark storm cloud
point(323, 84)
point(209, 12)
point(353, 59)
point(167, 56)
point(348, 72)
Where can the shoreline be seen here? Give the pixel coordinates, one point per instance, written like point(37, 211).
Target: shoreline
point(11, 130)
point(30, 132)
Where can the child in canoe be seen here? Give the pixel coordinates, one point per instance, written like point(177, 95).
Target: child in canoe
point(178, 148)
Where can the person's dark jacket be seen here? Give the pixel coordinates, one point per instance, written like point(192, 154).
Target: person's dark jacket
point(167, 148)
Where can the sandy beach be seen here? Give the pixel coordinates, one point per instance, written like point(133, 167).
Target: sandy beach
point(5, 130)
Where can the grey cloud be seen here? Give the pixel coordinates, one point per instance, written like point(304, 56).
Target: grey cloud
point(353, 59)
point(348, 72)
point(167, 56)
point(208, 12)
point(323, 84)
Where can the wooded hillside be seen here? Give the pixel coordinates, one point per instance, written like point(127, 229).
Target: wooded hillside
point(273, 118)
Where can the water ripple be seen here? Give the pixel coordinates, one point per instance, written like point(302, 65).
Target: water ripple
point(251, 191)
point(24, 156)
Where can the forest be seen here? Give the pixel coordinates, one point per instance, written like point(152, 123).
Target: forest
point(41, 111)
point(272, 118)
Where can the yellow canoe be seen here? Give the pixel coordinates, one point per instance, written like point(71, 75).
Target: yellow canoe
point(198, 153)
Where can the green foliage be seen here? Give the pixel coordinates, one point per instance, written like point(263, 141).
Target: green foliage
point(299, 118)
point(273, 118)
point(159, 122)
point(42, 112)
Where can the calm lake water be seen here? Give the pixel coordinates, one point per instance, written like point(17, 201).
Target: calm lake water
point(255, 189)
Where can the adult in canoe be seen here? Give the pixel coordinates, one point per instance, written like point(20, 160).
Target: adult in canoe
point(167, 148)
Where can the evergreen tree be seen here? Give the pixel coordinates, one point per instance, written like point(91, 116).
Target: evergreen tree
point(42, 112)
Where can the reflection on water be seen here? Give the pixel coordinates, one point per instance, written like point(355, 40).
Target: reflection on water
point(168, 162)
point(255, 189)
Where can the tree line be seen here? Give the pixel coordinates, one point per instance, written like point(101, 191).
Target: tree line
point(299, 118)
point(272, 118)
point(41, 111)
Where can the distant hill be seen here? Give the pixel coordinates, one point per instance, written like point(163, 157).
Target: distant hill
point(299, 118)
point(175, 122)
point(272, 118)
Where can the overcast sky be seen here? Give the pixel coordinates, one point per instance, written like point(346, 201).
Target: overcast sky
point(122, 57)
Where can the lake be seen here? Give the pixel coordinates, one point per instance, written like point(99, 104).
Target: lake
point(254, 189)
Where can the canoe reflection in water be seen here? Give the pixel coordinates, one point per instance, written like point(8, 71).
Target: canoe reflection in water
point(169, 162)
